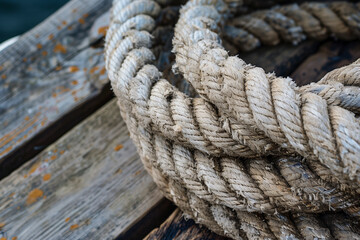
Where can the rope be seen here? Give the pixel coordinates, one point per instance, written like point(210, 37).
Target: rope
point(194, 148)
point(273, 110)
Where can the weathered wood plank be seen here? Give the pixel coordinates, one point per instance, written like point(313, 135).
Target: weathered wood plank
point(90, 184)
point(46, 76)
point(281, 59)
point(176, 227)
point(330, 55)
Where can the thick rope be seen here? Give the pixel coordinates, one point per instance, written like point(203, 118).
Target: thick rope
point(273, 109)
point(174, 135)
point(294, 23)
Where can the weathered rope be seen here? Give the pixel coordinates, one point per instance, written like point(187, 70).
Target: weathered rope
point(294, 23)
point(273, 109)
point(174, 135)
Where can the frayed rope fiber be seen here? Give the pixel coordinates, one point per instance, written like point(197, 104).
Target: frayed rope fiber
point(207, 153)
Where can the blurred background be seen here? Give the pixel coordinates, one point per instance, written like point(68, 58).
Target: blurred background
point(18, 16)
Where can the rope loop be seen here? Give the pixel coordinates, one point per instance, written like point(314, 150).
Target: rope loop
point(253, 156)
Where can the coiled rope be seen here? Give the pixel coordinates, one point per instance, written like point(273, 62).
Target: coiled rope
point(205, 153)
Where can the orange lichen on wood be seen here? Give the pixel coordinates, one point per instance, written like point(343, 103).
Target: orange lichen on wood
point(34, 195)
point(13, 134)
point(58, 68)
point(74, 82)
point(73, 69)
point(103, 30)
point(47, 177)
point(3, 238)
point(59, 48)
point(102, 71)
point(74, 226)
point(67, 219)
point(137, 172)
point(58, 27)
point(53, 157)
point(43, 122)
point(6, 150)
point(62, 152)
point(81, 21)
point(44, 53)
point(54, 95)
point(34, 167)
point(118, 147)
point(27, 118)
point(39, 46)
point(14, 238)
point(2, 225)
point(3, 76)
point(94, 69)
point(64, 22)
point(85, 15)
point(51, 37)
point(1, 68)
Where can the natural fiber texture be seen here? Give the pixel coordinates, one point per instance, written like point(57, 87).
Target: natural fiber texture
point(274, 112)
point(194, 148)
point(294, 23)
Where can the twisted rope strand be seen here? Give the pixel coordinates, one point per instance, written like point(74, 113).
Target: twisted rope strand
point(295, 121)
point(209, 187)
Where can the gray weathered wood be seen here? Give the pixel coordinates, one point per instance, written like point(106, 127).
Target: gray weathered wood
point(90, 184)
point(48, 73)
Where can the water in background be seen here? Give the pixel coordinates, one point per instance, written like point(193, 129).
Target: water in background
point(18, 16)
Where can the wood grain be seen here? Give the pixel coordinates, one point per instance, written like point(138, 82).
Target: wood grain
point(48, 73)
point(330, 55)
point(90, 184)
point(281, 59)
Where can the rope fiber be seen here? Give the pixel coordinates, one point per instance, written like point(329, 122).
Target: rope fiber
point(254, 156)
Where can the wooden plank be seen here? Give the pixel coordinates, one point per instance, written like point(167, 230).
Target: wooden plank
point(331, 55)
point(178, 228)
point(46, 76)
point(281, 59)
point(90, 184)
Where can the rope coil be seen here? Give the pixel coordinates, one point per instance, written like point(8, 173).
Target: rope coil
point(194, 147)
